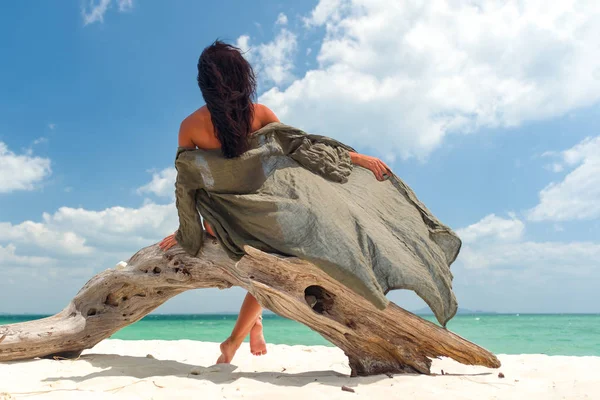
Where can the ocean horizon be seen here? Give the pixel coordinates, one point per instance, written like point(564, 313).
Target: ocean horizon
point(567, 334)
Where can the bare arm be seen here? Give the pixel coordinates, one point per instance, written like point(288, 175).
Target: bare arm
point(378, 167)
point(375, 165)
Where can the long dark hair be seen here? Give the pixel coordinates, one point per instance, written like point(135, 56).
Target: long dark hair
point(228, 85)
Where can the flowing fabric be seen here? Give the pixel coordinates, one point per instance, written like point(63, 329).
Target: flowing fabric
point(299, 195)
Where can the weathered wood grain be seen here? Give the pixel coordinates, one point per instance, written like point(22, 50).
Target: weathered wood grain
point(375, 341)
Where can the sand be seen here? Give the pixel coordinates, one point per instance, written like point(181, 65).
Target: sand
point(184, 369)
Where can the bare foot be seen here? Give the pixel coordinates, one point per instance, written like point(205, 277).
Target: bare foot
point(228, 349)
point(258, 346)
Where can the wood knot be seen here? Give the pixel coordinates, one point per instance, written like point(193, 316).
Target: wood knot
point(184, 271)
point(319, 299)
point(112, 300)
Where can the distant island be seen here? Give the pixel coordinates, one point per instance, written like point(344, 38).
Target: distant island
point(461, 311)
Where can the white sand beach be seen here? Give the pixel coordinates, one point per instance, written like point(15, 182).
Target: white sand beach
point(184, 369)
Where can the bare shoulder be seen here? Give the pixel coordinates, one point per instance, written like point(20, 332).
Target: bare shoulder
point(192, 129)
point(185, 134)
point(264, 114)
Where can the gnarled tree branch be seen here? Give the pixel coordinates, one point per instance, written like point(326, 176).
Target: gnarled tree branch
point(375, 341)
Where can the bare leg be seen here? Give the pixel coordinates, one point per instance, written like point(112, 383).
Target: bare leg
point(248, 320)
point(249, 314)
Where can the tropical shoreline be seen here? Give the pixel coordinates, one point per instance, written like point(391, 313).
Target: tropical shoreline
point(564, 335)
point(185, 368)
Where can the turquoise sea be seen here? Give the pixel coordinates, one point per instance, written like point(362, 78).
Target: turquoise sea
point(552, 334)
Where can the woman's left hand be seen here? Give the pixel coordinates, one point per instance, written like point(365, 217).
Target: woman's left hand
point(168, 242)
point(374, 164)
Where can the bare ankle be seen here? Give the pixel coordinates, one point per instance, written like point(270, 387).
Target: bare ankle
point(236, 342)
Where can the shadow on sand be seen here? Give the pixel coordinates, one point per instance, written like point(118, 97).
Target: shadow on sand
point(114, 365)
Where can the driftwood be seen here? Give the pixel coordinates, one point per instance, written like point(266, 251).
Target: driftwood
point(375, 341)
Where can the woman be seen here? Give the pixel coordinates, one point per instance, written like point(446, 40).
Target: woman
point(228, 85)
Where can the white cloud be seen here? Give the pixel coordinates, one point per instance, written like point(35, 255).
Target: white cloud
point(95, 10)
point(577, 196)
point(125, 5)
point(40, 258)
point(87, 236)
point(40, 140)
point(8, 256)
point(587, 149)
point(243, 43)
point(282, 19)
point(273, 61)
point(72, 244)
point(401, 76)
point(44, 236)
point(493, 227)
point(21, 172)
point(110, 233)
point(276, 58)
point(555, 167)
point(51, 126)
point(116, 227)
point(162, 184)
point(575, 258)
point(326, 10)
point(498, 243)
point(75, 243)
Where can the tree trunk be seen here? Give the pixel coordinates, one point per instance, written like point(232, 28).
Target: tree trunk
point(375, 341)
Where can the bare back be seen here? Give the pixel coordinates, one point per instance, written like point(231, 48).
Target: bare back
point(197, 129)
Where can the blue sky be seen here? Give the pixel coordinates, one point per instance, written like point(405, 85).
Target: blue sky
point(489, 112)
